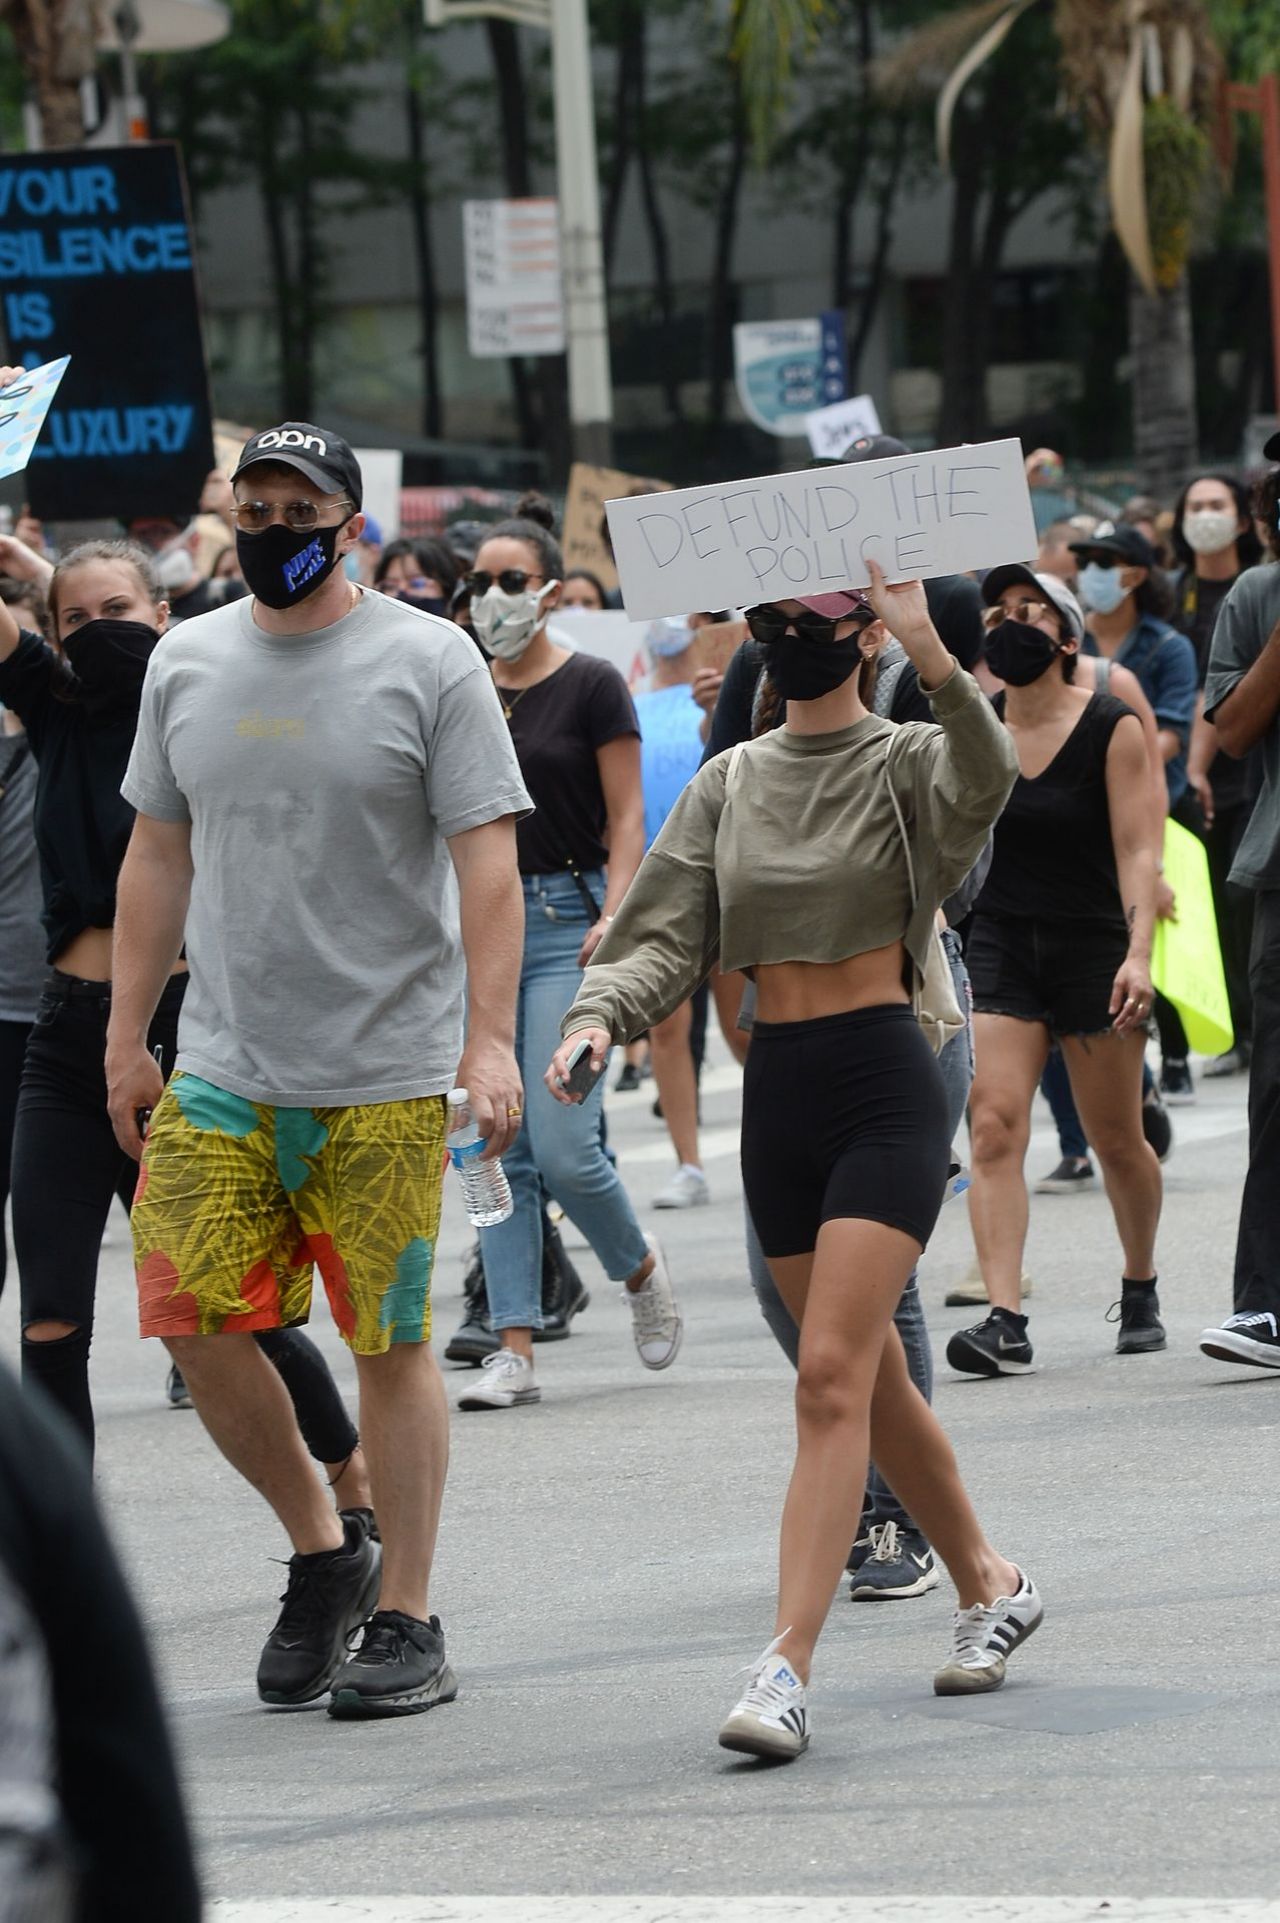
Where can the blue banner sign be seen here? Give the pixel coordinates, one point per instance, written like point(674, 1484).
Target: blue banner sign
point(97, 261)
point(788, 369)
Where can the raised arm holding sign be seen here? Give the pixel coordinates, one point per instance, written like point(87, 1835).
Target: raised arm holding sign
point(729, 545)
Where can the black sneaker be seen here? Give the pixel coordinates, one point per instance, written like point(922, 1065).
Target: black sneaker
point(1156, 1125)
point(998, 1346)
point(364, 1519)
point(1138, 1313)
point(1177, 1090)
point(891, 1563)
point(398, 1670)
point(1250, 1337)
point(628, 1081)
point(564, 1293)
point(328, 1596)
point(1073, 1174)
point(176, 1390)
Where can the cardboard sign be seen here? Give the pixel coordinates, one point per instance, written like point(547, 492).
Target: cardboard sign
point(786, 369)
point(23, 406)
point(738, 542)
point(586, 532)
point(832, 431)
point(96, 262)
point(715, 645)
point(1186, 958)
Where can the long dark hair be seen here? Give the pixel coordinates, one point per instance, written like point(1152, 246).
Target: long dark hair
point(436, 559)
point(1266, 508)
point(1248, 546)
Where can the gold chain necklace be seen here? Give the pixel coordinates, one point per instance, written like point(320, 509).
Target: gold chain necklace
point(512, 697)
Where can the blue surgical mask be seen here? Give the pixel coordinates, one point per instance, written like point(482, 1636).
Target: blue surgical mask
point(1101, 589)
point(668, 638)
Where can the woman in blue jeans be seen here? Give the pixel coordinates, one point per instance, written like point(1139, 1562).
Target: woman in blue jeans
point(575, 732)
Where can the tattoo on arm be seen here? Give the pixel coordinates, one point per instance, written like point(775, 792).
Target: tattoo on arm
point(1131, 916)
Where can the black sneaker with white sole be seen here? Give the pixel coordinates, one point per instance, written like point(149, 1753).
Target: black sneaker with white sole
point(1156, 1126)
point(997, 1346)
point(1073, 1175)
point(1251, 1337)
point(1138, 1313)
point(328, 1595)
point(1177, 1090)
point(890, 1563)
point(398, 1670)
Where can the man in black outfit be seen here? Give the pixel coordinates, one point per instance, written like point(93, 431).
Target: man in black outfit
point(1242, 699)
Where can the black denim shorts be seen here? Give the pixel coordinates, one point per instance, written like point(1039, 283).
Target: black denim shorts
point(1060, 973)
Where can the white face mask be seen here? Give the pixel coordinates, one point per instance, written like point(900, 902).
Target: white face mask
point(1101, 589)
point(177, 569)
point(669, 638)
point(505, 624)
point(1208, 530)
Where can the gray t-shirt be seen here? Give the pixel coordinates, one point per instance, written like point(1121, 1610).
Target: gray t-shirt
point(22, 963)
point(1245, 621)
point(322, 775)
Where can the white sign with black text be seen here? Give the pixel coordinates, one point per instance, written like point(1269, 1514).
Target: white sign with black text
point(833, 430)
point(739, 542)
point(515, 295)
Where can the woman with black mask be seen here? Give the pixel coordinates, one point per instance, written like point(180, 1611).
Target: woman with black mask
point(423, 574)
point(1059, 951)
point(79, 701)
point(818, 855)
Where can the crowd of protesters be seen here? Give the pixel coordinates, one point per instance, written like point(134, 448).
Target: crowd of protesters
point(537, 856)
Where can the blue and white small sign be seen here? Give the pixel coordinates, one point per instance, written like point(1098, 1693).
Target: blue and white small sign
point(786, 370)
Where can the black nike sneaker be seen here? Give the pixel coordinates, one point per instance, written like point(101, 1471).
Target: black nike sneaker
point(1138, 1313)
point(398, 1670)
point(998, 1346)
point(328, 1595)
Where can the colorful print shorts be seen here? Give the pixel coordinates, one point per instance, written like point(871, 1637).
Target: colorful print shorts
point(238, 1200)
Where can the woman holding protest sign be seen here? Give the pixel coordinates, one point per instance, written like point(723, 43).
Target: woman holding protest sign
point(1060, 951)
point(577, 740)
point(792, 855)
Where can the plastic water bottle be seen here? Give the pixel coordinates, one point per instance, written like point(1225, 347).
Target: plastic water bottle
point(486, 1192)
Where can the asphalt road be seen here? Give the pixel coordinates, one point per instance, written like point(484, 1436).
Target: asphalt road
point(606, 1565)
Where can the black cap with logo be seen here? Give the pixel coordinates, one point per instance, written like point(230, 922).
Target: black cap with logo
point(317, 452)
point(1117, 542)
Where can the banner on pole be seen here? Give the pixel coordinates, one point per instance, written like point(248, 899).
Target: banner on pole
point(787, 369)
point(97, 262)
point(515, 294)
point(737, 542)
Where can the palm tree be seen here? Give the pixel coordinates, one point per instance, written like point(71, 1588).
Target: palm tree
point(1146, 77)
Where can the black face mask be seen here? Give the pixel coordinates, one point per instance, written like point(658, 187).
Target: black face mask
point(427, 603)
point(109, 660)
point(282, 568)
point(802, 669)
point(1019, 654)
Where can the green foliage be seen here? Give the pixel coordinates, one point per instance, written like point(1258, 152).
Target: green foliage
point(1176, 163)
point(11, 93)
point(768, 40)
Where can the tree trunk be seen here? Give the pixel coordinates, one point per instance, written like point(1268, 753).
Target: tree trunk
point(55, 41)
point(513, 132)
point(1164, 391)
point(301, 370)
point(853, 166)
point(424, 261)
point(655, 221)
point(630, 24)
point(958, 319)
point(720, 299)
point(885, 201)
point(271, 192)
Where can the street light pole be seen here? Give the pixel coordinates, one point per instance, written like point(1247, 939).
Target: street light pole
point(578, 192)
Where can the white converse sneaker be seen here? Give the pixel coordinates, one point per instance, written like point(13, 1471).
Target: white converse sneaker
point(505, 1379)
point(687, 1189)
point(771, 1718)
point(984, 1636)
point(655, 1319)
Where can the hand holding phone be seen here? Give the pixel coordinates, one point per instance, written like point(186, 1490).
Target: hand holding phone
point(582, 1076)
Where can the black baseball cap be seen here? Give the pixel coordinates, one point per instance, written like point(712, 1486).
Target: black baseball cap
point(873, 447)
point(317, 452)
point(1117, 542)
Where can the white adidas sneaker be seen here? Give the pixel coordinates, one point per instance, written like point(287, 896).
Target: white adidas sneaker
point(983, 1637)
point(770, 1719)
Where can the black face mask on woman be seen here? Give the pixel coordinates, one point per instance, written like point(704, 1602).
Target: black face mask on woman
point(282, 567)
point(109, 660)
point(802, 669)
point(426, 603)
point(1019, 654)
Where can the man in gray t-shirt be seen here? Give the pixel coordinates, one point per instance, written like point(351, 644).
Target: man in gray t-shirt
point(326, 795)
point(1242, 699)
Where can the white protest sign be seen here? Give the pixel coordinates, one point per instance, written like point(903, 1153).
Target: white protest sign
point(833, 430)
point(739, 542)
point(23, 407)
point(608, 633)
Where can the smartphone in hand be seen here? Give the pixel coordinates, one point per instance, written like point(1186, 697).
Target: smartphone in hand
point(582, 1077)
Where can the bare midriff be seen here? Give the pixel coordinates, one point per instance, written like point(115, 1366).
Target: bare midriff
point(806, 991)
point(87, 956)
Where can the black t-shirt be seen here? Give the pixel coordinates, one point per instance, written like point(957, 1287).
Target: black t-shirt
point(1196, 615)
point(557, 725)
point(82, 821)
point(1053, 855)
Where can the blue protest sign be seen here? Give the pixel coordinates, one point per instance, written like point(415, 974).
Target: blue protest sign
point(96, 262)
point(788, 369)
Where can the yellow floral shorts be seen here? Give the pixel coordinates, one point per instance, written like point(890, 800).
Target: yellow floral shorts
point(237, 1201)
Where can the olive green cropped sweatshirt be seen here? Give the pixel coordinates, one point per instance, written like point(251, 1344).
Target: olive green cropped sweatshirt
point(802, 860)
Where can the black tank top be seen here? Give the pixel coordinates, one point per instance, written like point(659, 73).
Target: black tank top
point(1053, 858)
